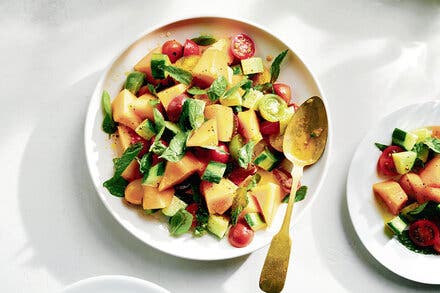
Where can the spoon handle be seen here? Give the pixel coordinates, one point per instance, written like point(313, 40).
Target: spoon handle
point(297, 172)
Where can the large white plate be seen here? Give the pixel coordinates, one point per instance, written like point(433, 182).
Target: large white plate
point(99, 153)
point(364, 214)
point(114, 284)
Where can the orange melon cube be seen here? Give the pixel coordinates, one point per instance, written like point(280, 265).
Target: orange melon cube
point(156, 199)
point(219, 197)
point(177, 172)
point(123, 141)
point(391, 194)
point(144, 65)
point(411, 184)
point(143, 107)
point(268, 199)
point(122, 109)
point(134, 192)
point(430, 175)
point(249, 124)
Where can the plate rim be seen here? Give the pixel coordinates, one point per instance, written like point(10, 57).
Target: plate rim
point(88, 128)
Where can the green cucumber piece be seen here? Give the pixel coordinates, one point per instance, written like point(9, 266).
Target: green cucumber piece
point(397, 225)
point(404, 139)
point(266, 160)
point(404, 161)
point(218, 225)
point(272, 107)
point(252, 65)
point(255, 221)
point(154, 175)
point(146, 129)
point(237, 142)
point(214, 172)
point(175, 205)
point(173, 127)
point(251, 99)
point(134, 81)
point(158, 63)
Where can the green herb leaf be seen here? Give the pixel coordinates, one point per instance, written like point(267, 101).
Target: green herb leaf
point(152, 89)
point(157, 146)
point(180, 223)
point(202, 216)
point(145, 163)
point(196, 91)
point(433, 143)
point(406, 241)
point(299, 196)
point(217, 88)
point(192, 115)
point(204, 40)
point(159, 121)
point(116, 186)
point(253, 182)
point(134, 81)
point(265, 87)
point(275, 67)
point(239, 203)
point(106, 104)
point(154, 102)
point(247, 84)
point(179, 74)
point(108, 124)
point(380, 146)
point(176, 150)
point(245, 154)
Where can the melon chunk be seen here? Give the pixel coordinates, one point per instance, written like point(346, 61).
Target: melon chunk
point(212, 64)
point(430, 193)
point(123, 141)
point(155, 199)
point(205, 135)
point(412, 185)
point(134, 192)
point(249, 124)
point(123, 111)
point(225, 120)
point(219, 197)
point(177, 172)
point(268, 198)
point(430, 175)
point(144, 65)
point(391, 194)
point(143, 107)
point(167, 95)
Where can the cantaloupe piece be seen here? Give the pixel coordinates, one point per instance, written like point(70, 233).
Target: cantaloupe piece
point(122, 109)
point(167, 95)
point(144, 65)
point(187, 63)
point(268, 199)
point(225, 120)
point(411, 184)
point(218, 197)
point(155, 199)
point(430, 193)
point(177, 172)
point(224, 45)
point(249, 125)
point(212, 64)
point(262, 78)
point(205, 135)
point(391, 194)
point(143, 107)
point(134, 192)
point(252, 206)
point(123, 141)
point(430, 175)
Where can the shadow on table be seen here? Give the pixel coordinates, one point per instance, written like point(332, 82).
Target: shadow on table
point(70, 233)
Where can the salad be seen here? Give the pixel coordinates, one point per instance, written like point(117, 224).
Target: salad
point(198, 130)
point(410, 197)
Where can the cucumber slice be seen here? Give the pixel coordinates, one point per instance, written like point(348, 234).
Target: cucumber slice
point(237, 142)
point(252, 65)
point(411, 212)
point(251, 99)
point(272, 107)
point(134, 81)
point(175, 205)
point(255, 221)
point(397, 225)
point(266, 160)
point(155, 175)
point(214, 172)
point(404, 139)
point(422, 134)
point(218, 225)
point(146, 129)
point(404, 161)
point(158, 63)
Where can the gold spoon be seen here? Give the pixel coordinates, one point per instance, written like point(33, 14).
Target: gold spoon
point(303, 144)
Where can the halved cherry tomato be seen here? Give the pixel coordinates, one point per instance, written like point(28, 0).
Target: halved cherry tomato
point(192, 209)
point(190, 48)
point(283, 90)
point(221, 154)
point(238, 175)
point(143, 90)
point(268, 128)
point(385, 164)
point(424, 233)
point(240, 235)
point(285, 180)
point(173, 49)
point(242, 46)
point(174, 108)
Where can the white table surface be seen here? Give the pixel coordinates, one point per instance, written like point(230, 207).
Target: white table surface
point(370, 56)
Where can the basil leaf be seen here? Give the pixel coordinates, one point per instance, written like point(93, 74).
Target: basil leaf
point(157, 147)
point(204, 40)
point(159, 121)
point(134, 81)
point(217, 88)
point(299, 196)
point(106, 104)
point(192, 115)
point(108, 124)
point(245, 154)
point(179, 74)
point(180, 223)
point(196, 91)
point(433, 144)
point(152, 89)
point(145, 163)
point(116, 186)
point(275, 67)
point(176, 150)
point(380, 146)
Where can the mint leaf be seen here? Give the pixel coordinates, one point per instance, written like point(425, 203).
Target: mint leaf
point(380, 146)
point(145, 163)
point(240, 84)
point(204, 40)
point(159, 121)
point(106, 104)
point(433, 144)
point(179, 74)
point(196, 91)
point(116, 186)
point(134, 81)
point(176, 150)
point(152, 89)
point(192, 115)
point(275, 67)
point(180, 223)
point(299, 196)
point(245, 154)
point(217, 88)
point(108, 124)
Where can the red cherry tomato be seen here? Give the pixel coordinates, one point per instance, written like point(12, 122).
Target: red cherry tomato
point(135, 138)
point(143, 90)
point(424, 233)
point(285, 180)
point(436, 245)
point(221, 154)
point(294, 105)
point(238, 175)
point(192, 209)
point(235, 125)
point(385, 164)
point(283, 90)
point(190, 48)
point(174, 108)
point(173, 49)
point(240, 235)
point(268, 128)
point(242, 46)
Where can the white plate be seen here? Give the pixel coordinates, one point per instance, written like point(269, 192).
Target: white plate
point(99, 153)
point(364, 214)
point(114, 284)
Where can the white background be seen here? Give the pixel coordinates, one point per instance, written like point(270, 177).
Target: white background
point(370, 56)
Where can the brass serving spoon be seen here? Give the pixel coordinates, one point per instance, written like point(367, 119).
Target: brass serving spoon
point(303, 144)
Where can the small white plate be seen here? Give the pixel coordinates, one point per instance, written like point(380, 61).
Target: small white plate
point(114, 284)
point(364, 214)
point(99, 153)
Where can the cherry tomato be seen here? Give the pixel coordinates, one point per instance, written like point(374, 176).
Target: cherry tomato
point(235, 125)
point(242, 46)
point(190, 48)
point(294, 105)
point(436, 245)
point(238, 175)
point(192, 209)
point(143, 90)
point(174, 108)
point(135, 138)
point(221, 154)
point(283, 90)
point(385, 164)
point(285, 180)
point(173, 49)
point(424, 233)
point(268, 128)
point(240, 235)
